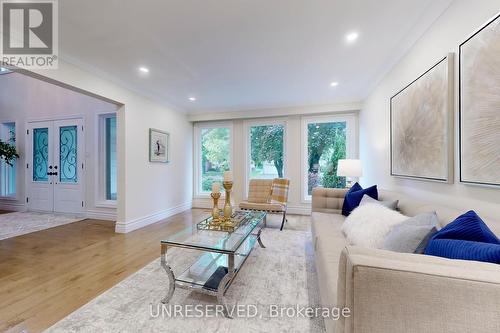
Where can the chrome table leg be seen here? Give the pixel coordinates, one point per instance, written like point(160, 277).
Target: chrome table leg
point(221, 290)
point(259, 240)
point(170, 274)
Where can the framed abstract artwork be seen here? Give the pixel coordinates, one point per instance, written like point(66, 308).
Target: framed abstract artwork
point(159, 146)
point(422, 126)
point(479, 110)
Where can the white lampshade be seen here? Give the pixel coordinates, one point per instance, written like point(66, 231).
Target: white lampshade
point(349, 168)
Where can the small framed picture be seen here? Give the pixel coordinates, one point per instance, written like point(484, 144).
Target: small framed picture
point(159, 146)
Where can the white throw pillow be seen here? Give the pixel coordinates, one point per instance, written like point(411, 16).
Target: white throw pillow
point(369, 224)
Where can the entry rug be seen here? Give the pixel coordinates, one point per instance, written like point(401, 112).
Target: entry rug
point(270, 291)
point(21, 223)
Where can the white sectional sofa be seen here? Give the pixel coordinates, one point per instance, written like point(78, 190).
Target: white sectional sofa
point(399, 292)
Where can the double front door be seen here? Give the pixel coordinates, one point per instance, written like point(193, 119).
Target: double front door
point(55, 166)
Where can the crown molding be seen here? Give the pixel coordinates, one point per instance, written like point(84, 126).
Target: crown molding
point(277, 112)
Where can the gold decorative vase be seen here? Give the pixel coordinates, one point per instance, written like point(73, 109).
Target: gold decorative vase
point(215, 209)
point(228, 210)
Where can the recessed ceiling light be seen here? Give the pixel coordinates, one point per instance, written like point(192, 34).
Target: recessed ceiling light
point(334, 84)
point(143, 69)
point(192, 99)
point(351, 37)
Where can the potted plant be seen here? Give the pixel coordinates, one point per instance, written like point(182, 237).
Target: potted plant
point(8, 153)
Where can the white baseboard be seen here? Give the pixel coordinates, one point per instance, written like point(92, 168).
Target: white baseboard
point(101, 215)
point(12, 206)
point(292, 209)
point(203, 203)
point(90, 214)
point(299, 210)
point(125, 227)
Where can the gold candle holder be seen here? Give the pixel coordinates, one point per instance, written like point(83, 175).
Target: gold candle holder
point(228, 210)
point(215, 209)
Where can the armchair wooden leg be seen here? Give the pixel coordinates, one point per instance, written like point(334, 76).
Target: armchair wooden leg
point(283, 222)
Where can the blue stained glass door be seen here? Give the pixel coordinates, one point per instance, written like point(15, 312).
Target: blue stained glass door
point(40, 154)
point(69, 163)
point(57, 166)
point(40, 167)
point(68, 154)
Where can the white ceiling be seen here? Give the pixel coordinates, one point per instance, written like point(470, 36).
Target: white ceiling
point(243, 54)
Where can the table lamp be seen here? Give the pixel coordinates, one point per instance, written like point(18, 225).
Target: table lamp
point(349, 168)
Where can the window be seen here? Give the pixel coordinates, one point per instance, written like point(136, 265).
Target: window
point(108, 161)
point(326, 140)
point(8, 172)
point(111, 188)
point(213, 149)
point(266, 151)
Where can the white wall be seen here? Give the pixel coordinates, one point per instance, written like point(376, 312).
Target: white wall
point(293, 154)
point(460, 20)
point(156, 190)
point(24, 99)
point(147, 192)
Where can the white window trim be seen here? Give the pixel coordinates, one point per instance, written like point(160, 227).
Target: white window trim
point(198, 127)
point(351, 144)
point(262, 122)
point(14, 197)
point(100, 160)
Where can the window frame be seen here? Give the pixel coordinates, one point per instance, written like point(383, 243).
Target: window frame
point(15, 196)
point(100, 163)
point(351, 144)
point(262, 122)
point(198, 127)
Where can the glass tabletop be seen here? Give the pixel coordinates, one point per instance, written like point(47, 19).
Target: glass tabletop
point(218, 241)
point(208, 263)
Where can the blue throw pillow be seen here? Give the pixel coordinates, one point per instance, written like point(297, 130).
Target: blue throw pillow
point(353, 198)
point(464, 249)
point(354, 188)
point(468, 226)
point(468, 238)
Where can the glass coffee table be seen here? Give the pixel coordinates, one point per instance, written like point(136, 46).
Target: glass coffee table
point(222, 255)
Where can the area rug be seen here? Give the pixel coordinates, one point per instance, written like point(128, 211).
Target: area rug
point(281, 276)
point(21, 223)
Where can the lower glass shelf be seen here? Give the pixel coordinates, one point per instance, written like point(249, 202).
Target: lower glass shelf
point(208, 263)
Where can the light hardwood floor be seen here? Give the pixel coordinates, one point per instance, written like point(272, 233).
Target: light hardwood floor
point(46, 275)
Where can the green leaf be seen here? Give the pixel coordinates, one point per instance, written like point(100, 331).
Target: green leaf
point(8, 153)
